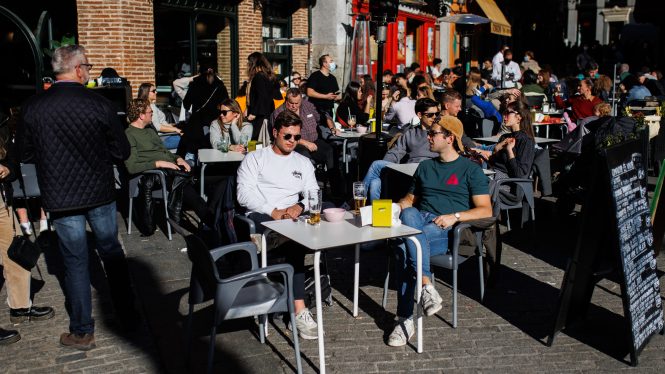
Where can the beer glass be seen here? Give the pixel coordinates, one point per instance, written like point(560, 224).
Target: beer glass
point(314, 204)
point(223, 144)
point(359, 196)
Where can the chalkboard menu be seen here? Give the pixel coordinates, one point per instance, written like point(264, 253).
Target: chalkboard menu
point(633, 223)
point(616, 238)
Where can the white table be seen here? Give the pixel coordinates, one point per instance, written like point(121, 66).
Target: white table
point(547, 128)
point(210, 156)
point(338, 234)
point(495, 139)
point(410, 169)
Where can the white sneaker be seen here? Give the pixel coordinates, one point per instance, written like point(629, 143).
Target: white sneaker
point(25, 227)
point(43, 225)
point(403, 331)
point(307, 327)
point(431, 300)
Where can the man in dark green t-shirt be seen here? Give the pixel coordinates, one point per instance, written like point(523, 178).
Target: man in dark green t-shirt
point(445, 190)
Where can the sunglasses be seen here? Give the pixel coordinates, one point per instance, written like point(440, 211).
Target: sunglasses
point(295, 137)
point(225, 112)
point(432, 133)
point(295, 78)
point(89, 66)
point(154, 90)
point(509, 112)
point(430, 115)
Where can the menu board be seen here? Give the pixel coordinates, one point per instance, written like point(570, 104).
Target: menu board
point(616, 237)
point(642, 300)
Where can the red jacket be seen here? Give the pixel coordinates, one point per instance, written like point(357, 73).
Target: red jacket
point(581, 107)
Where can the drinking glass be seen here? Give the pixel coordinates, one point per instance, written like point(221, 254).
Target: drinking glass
point(244, 140)
point(223, 144)
point(359, 196)
point(352, 121)
point(314, 204)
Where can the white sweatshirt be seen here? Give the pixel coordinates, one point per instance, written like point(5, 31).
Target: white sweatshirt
point(268, 181)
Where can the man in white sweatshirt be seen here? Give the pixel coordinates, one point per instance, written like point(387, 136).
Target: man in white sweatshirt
point(271, 182)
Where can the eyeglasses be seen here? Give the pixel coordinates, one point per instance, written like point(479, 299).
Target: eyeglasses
point(295, 137)
point(296, 78)
point(225, 112)
point(154, 90)
point(509, 112)
point(432, 133)
point(89, 66)
point(431, 115)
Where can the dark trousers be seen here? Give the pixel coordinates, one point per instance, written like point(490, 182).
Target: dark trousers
point(293, 252)
point(323, 154)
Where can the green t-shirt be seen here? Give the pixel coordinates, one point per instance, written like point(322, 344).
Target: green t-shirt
point(146, 148)
point(447, 187)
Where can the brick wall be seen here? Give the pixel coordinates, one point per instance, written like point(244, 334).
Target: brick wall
point(119, 34)
point(299, 30)
point(249, 35)
point(224, 55)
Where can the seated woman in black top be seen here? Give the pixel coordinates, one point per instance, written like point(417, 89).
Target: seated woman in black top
point(349, 106)
point(513, 154)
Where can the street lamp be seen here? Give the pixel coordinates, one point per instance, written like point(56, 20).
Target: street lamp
point(465, 24)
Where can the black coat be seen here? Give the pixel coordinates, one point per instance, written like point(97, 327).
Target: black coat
point(203, 99)
point(74, 137)
point(262, 91)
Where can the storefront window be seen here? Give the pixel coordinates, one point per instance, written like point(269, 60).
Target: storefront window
point(277, 24)
point(188, 39)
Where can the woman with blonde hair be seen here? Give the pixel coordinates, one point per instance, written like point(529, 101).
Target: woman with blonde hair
point(425, 92)
point(230, 125)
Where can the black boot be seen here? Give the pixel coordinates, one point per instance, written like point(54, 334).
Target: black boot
point(145, 221)
point(9, 336)
point(34, 313)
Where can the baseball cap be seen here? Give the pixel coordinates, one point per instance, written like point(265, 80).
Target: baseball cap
point(455, 126)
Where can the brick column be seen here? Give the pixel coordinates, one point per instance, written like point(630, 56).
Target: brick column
point(299, 28)
point(119, 34)
point(249, 40)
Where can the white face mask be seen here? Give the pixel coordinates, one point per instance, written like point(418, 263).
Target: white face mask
point(332, 66)
point(526, 58)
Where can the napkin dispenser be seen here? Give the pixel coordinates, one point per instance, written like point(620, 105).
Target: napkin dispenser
point(382, 213)
point(366, 216)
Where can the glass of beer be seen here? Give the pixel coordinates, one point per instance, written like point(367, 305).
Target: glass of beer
point(359, 196)
point(314, 204)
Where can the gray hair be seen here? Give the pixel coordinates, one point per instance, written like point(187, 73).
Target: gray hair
point(67, 57)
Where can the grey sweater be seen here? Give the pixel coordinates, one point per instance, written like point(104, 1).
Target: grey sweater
point(413, 144)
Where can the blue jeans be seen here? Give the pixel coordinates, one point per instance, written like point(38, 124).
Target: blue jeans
point(433, 241)
point(72, 237)
point(373, 180)
point(171, 141)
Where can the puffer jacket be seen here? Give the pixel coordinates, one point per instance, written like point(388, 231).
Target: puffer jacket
point(74, 137)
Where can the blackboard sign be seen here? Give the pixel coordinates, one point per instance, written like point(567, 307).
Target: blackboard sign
point(616, 236)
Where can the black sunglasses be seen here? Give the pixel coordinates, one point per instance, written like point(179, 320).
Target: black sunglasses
point(154, 90)
point(430, 115)
point(225, 112)
point(295, 137)
point(432, 133)
point(507, 112)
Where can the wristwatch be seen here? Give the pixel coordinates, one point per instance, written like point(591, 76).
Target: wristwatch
point(457, 216)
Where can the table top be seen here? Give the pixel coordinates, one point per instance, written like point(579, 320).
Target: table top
point(214, 155)
point(410, 169)
point(335, 234)
point(560, 123)
point(495, 139)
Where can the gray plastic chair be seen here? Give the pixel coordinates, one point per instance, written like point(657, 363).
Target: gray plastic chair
point(522, 197)
point(161, 193)
point(243, 295)
point(453, 259)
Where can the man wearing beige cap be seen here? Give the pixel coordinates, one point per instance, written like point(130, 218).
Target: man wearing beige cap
point(445, 190)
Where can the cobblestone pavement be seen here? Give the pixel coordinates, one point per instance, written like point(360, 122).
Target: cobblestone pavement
point(506, 333)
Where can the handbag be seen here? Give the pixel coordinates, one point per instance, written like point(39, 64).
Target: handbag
point(22, 251)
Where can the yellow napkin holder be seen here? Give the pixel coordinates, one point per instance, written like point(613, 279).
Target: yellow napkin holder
point(382, 213)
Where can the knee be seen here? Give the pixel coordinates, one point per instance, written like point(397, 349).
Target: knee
point(409, 216)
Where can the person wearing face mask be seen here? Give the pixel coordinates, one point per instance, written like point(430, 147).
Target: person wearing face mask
point(231, 125)
point(323, 90)
point(507, 73)
point(530, 62)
